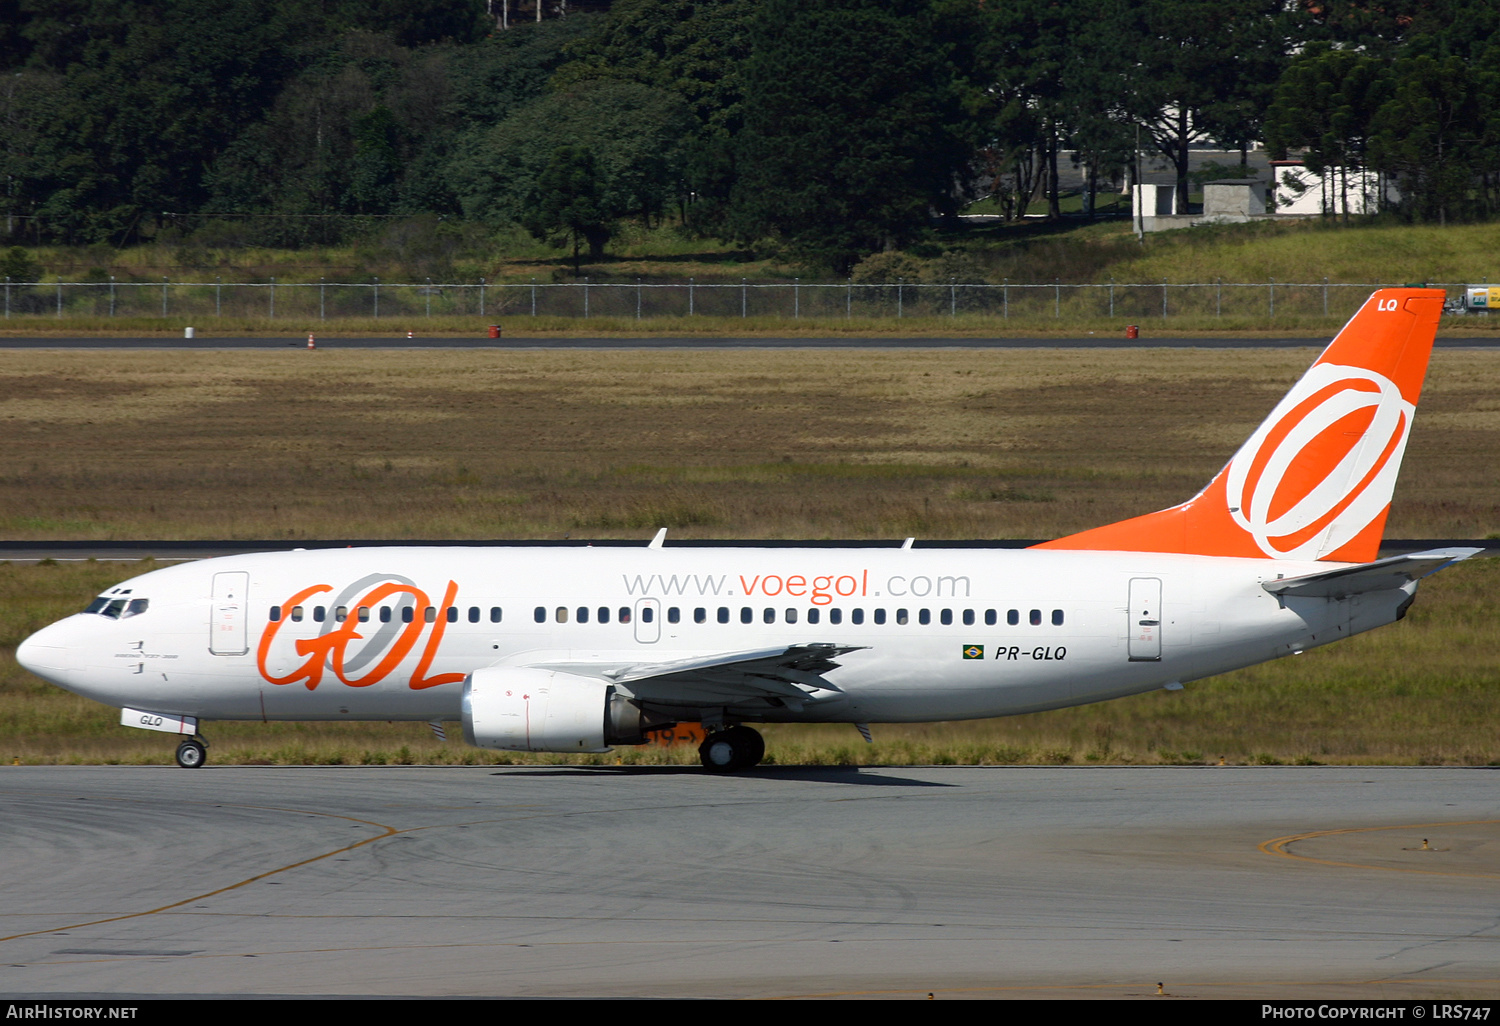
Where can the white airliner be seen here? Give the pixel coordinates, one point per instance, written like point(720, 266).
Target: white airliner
point(580, 648)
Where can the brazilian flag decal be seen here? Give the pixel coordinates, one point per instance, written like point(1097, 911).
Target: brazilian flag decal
point(973, 651)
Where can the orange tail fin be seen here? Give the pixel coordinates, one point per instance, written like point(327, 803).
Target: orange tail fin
point(1315, 480)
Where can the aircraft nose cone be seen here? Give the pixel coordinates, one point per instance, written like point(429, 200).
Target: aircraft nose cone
point(46, 654)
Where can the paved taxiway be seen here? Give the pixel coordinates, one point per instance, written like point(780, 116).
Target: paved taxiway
point(1245, 882)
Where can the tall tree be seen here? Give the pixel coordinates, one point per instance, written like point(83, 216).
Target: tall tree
point(854, 133)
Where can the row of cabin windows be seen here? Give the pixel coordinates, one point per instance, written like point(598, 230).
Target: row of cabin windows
point(791, 615)
point(406, 613)
point(674, 615)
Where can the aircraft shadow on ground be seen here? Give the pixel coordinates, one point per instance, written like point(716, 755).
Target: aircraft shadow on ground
point(804, 774)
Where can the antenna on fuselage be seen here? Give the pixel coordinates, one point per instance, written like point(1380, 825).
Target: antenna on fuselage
point(907, 544)
point(655, 543)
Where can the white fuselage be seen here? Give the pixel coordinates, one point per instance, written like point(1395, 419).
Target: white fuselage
point(942, 633)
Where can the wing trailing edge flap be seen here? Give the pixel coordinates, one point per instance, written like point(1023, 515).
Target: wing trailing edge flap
point(1381, 575)
point(791, 672)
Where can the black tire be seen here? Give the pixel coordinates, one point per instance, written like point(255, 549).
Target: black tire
point(191, 754)
point(733, 749)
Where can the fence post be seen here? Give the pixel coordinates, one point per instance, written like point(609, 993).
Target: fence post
point(1005, 299)
point(585, 297)
point(218, 296)
point(481, 297)
point(1218, 296)
point(273, 297)
point(1111, 296)
point(952, 296)
point(849, 298)
point(377, 296)
point(428, 294)
point(322, 306)
point(533, 297)
point(899, 283)
point(637, 297)
point(1325, 297)
point(796, 298)
point(1056, 298)
point(111, 296)
point(164, 295)
point(1164, 299)
point(690, 297)
point(1273, 296)
point(59, 297)
point(743, 300)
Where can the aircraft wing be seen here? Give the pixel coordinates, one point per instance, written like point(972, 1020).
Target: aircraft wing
point(1381, 575)
point(793, 672)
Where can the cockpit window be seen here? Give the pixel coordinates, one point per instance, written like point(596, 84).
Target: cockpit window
point(114, 609)
point(136, 608)
point(97, 606)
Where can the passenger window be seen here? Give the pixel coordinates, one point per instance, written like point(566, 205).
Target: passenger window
point(1036, 617)
point(945, 617)
point(1013, 617)
point(452, 614)
point(604, 614)
point(857, 616)
point(674, 615)
point(429, 615)
point(901, 617)
point(747, 615)
point(835, 616)
point(624, 614)
point(814, 615)
point(319, 613)
point(991, 617)
point(700, 615)
point(880, 616)
point(539, 614)
point(340, 614)
point(385, 614)
point(648, 614)
point(1057, 617)
point(297, 614)
point(364, 614)
point(275, 614)
point(408, 614)
point(968, 617)
point(494, 614)
point(473, 614)
point(723, 614)
point(924, 616)
point(562, 614)
point(583, 614)
point(769, 615)
point(791, 616)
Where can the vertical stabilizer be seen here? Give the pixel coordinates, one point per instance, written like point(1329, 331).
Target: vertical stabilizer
point(1315, 479)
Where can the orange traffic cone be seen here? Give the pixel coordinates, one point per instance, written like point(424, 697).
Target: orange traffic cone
point(311, 342)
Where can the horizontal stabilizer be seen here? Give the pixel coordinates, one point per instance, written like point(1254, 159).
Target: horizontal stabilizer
point(1381, 575)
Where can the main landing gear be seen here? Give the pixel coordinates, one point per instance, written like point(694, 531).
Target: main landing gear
point(192, 753)
point(734, 748)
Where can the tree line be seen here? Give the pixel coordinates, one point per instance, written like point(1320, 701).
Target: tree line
point(827, 129)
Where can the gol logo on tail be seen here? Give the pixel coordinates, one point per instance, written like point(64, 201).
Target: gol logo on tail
point(347, 649)
point(1323, 465)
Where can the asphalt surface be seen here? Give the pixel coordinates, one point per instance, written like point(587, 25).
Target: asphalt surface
point(1266, 882)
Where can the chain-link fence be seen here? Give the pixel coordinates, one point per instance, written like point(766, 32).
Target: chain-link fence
point(305, 302)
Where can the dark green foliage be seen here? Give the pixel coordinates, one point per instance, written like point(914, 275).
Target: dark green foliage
point(853, 130)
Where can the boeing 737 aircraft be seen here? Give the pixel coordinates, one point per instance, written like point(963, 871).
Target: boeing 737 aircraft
point(576, 649)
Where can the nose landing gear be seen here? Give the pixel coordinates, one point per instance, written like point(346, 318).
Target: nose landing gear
point(192, 753)
point(734, 748)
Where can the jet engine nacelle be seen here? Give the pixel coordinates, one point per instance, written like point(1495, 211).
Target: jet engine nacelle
point(527, 709)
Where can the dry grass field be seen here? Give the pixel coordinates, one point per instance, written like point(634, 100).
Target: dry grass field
point(811, 445)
